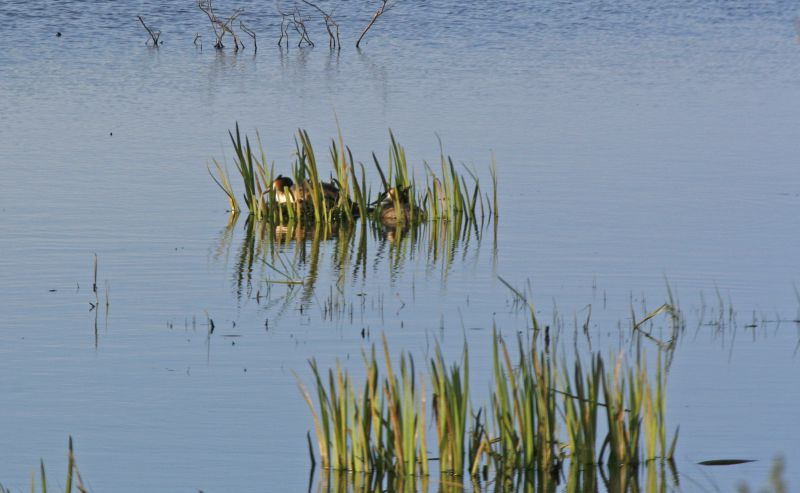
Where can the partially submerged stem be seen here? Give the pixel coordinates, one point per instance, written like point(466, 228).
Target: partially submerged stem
point(330, 25)
point(250, 33)
point(154, 35)
point(381, 9)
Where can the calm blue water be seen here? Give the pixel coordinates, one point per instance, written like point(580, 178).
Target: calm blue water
point(637, 143)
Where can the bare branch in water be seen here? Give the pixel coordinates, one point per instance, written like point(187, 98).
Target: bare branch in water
point(284, 28)
point(250, 33)
point(294, 19)
point(330, 24)
point(385, 6)
point(154, 35)
point(221, 27)
point(205, 6)
point(227, 26)
point(300, 27)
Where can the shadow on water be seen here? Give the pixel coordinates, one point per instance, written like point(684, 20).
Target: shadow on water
point(296, 255)
point(654, 477)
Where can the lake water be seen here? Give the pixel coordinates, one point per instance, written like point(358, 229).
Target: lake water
point(638, 144)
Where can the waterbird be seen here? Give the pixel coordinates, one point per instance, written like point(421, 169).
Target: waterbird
point(288, 192)
point(394, 206)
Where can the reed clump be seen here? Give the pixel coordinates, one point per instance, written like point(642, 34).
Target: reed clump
point(381, 429)
point(542, 413)
point(302, 196)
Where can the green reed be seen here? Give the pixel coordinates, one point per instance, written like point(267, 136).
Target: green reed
point(224, 182)
point(655, 418)
point(73, 475)
point(623, 396)
point(636, 414)
point(449, 195)
point(344, 170)
point(581, 409)
point(405, 430)
point(532, 399)
point(525, 406)
point(405, 200)
point(383, 430)
point(252, 171)
point(450, 406)
point(309, 163)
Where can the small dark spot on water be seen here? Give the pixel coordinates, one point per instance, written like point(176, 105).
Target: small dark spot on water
point(52, 290)
point(111, 133)
point(58, 34)
point(724, 462)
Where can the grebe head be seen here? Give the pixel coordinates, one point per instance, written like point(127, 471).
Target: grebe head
point(282, 182)
point(395, 195)
point(281, 185)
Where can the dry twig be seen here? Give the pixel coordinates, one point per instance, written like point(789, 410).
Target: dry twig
point(294, 19)
point(250, 33)
point(154, 35)
point(284, 28)
point(385, 6)
point(330, 24)
point(221, 27)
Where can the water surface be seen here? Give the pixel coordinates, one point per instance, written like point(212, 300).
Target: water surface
point(635, 143)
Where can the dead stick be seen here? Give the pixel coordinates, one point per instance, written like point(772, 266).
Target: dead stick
point(377, 14)
point(153, 35)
